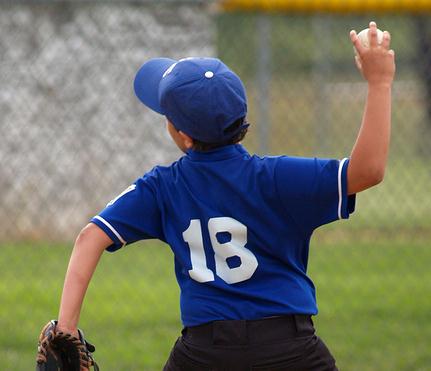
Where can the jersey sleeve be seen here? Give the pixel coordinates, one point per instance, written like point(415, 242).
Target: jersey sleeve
point(132, 216)
point(314, 191)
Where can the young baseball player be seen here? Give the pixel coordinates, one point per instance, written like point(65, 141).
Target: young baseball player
point(239, 225)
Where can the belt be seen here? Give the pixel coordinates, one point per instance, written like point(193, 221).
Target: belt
point(246, 332)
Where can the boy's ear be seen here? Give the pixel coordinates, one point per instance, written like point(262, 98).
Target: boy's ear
point(187, 140)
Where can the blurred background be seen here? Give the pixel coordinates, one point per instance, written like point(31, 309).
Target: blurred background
point(73, 136)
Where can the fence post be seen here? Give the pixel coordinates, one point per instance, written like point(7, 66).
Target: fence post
point(263, 80)
point(321, 69)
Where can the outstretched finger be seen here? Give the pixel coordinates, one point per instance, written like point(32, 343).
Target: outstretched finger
point(386, 40)
point(372, 34)
point(356, 42)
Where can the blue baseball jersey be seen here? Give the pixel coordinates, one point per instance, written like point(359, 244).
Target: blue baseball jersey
point(239, 227)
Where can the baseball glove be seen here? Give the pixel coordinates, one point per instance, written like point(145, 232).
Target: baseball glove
point(59, 351)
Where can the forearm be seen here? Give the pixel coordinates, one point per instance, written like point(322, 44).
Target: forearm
point(80, 270)
point(87, 251)
point(370, 152)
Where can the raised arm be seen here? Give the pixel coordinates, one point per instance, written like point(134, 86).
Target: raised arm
point(89, 246)
point(369, 155)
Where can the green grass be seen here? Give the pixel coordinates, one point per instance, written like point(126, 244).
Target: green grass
point(374, 301)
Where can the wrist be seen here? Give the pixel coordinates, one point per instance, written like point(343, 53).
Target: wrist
point(379, 84)
point(67, 330)
point(66, 327)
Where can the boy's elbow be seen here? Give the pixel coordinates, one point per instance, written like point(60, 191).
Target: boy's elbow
point(84, 235)
point(379, 174)
point(375, 176)
point(91, 235)
point(364, 178)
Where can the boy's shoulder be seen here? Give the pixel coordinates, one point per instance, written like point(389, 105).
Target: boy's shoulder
point(160, 171)
point(171, 171)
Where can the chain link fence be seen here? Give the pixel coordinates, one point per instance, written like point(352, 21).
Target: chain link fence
point(74, 136)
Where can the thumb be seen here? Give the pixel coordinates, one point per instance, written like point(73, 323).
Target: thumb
point(358, 62)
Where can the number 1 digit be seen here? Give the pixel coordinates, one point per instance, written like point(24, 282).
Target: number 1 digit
point(193, 236)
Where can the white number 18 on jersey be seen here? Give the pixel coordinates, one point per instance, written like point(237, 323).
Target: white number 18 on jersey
point(235, 247)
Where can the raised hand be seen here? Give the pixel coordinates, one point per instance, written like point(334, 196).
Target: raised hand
point(376, 62)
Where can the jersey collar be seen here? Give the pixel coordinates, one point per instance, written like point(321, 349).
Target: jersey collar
point(222, 153)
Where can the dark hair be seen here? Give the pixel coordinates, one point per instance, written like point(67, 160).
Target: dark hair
point(203, 146)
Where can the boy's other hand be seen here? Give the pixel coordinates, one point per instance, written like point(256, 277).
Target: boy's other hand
point(376, 63)
point(71, 331)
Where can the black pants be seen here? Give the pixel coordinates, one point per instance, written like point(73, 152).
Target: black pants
point(285, 343)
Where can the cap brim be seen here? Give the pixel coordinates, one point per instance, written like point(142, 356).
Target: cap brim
point(147, 82)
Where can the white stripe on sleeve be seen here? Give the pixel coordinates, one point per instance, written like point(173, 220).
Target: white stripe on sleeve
point(340, 187)
point(111, 228)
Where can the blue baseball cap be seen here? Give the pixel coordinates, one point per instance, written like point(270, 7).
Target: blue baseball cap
point(200, 96)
